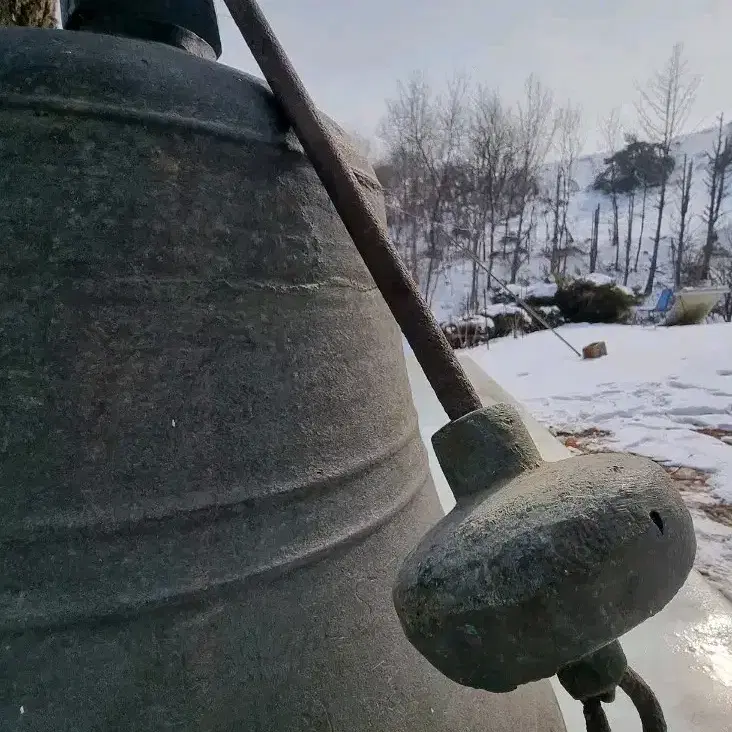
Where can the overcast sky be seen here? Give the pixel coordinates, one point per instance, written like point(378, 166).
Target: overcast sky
point(351, 54)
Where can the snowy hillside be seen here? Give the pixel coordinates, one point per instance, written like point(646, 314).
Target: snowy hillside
point(454, 284)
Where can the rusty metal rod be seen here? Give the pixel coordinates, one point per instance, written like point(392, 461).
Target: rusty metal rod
point(424, 335)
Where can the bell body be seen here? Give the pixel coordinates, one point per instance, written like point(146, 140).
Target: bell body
point(210, 466)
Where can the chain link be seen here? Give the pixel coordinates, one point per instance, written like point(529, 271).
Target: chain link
point(643, 698)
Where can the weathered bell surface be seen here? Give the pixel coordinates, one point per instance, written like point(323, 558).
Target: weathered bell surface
point(540, 565)
point(210, 466)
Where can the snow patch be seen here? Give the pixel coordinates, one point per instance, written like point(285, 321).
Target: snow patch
point(597, 278)
point(494, 311)
point(653, 393)
point(542, 289)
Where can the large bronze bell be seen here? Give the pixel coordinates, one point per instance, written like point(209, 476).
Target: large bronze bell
point(210, 467)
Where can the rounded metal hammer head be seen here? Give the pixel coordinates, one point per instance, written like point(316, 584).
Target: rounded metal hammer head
point(539, 564)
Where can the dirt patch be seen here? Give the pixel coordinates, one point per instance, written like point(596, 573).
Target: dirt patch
point(589, 432)
point(693, 486)
point(721, 513)
point(584, 441)
point(688, 477)
point(723, 435)
point(691, 482)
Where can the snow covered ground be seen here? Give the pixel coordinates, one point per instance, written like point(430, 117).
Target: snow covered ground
point(653, 394)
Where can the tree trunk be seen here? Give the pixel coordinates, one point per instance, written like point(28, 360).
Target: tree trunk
point(516, 263)
point(473, 299)
point(709, 242)
point(29, 13)
point(716, 195)
point(475, 281)
point(491, 251)
point(629, 238)
point(727, 308)
point(616, 231)
point(554, 256)
point(595, 238)
point(642, 227)
point(718, 163)
point(685, 195)
point(564, 236)
point(431, 260)
point(530, 229)
point(414, 246)
point(656, 240)
point(565, 257)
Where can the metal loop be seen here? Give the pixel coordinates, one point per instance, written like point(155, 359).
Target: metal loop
point(643, 698)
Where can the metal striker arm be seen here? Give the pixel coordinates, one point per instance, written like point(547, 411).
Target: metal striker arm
point(454, 390)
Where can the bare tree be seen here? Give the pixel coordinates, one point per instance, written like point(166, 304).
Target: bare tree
point(594, 239)
point(682, 234)
point(489, 166)
point(629, 235)
point(424, 134)
point(720, 274)
point(403, 207)
point(555, 201)
point(535, 132)
point(402, 173)
point(569, 146)
point(31, 13)
point(719, 161)
point(663, 109)
point(611, 131)
point(642, 224)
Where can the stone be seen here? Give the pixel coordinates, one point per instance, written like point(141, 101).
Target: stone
point(595, 350)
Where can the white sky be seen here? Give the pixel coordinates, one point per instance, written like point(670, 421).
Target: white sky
point(350, 53)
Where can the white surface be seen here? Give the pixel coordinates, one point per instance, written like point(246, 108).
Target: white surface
point(493, 311)
point(684, 652)
point(652, 392)
point(598, 279)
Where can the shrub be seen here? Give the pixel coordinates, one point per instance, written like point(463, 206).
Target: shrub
point(468, 331)
point(551, 314)
point(583, 301)
point(507, 295)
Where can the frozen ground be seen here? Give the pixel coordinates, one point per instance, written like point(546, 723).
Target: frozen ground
point(653, 394)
